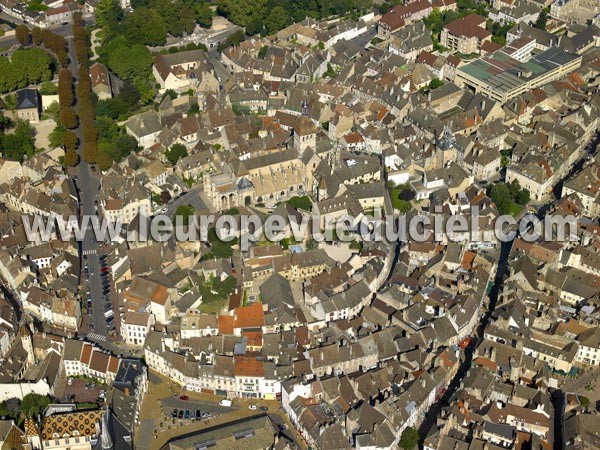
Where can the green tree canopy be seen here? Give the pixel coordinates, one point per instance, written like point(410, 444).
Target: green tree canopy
point(409, 439)
point(18, 144)
point(108, 12)
point(145, 26)
point(25, 67)
point(185, 211)
point(34, 404)
point(176, 152)
point(277, 19)
point(130, 62)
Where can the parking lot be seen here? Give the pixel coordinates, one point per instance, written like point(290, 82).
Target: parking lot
point(157, 424)
point(81, 391)
point(108, 302)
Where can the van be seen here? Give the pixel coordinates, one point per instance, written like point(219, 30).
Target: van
point(225, 402)
point(108, 314)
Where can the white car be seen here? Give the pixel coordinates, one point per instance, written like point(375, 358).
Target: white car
point(226, 402)
point(252, 407)
point(70, 381)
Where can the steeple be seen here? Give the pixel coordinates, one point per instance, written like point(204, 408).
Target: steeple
point(446, 140)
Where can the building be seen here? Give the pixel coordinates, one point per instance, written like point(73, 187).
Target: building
point(466, 35)
point(185, 70)
point(83, 359)
point(28, 105)
point(135, 327)
point(253, 432)
point(397, 17)
point(501, 77)
point(76, 431)
point(100, 81)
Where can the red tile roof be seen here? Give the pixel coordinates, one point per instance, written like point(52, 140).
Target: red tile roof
point(468, 26)
point(251, 316)
point(246, 366)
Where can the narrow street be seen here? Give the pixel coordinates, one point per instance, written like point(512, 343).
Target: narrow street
point(431, 417)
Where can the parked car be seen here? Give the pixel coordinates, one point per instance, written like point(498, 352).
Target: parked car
point(184, 397)
point(226, 402)
point(252, 407)
point(70, 381)
point(198, 414)
point(180, 414)
point(186, 415)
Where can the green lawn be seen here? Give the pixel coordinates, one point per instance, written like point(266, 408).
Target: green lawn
point(515, 209)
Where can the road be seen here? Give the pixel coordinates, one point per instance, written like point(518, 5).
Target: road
point(8, 41)
point(88, 186)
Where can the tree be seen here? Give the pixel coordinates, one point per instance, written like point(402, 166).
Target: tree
point(88, 130)
point(145, 26)
point(176, 152)
point(57, 136)
point(523, 197)
point(108, 12)
point(62, 57)
point(263, 52)
point(241, 13)
point(90, 150)
point(130, 62)
point(65, 88)
point(171, 93)
point(104, 161)
point(500, 195)
point(71, 158)
point(145, 89)
point(204, 14)
point(185, 211)
point(542, 20)
point(25, 67)
point(36, 35)
point(255, 26)
point(277, 19)
point(48, 88)
point(22, 35)
point(18, 144)
point(70, 140)
point(409, 439)
point(34, 404)
point(68, 118)
point(435, 83)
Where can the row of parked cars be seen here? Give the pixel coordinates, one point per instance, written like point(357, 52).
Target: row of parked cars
point(190, 414)
point(109, 313)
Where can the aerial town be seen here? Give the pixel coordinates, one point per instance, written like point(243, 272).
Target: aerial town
point(122, 112)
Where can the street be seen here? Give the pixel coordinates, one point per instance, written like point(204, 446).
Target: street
point(88, 186)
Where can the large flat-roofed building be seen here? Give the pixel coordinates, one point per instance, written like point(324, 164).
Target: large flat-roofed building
point(502, 77)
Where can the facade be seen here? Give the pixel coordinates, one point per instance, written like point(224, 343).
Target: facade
point(28, 105)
